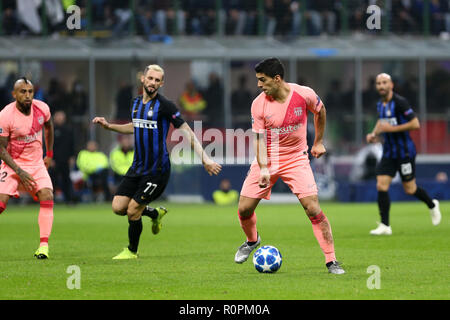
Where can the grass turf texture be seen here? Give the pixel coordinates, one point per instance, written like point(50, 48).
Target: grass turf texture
point(193, 256)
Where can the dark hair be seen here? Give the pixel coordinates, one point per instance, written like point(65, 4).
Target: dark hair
point(270, 67)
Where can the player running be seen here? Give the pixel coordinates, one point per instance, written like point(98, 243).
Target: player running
point(149, 173)
point(396, 119)
point(23, 168)
point(279, 116)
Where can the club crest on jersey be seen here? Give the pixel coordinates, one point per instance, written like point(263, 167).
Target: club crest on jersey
point(298, 111)
point(388, 112)
point(150, 113)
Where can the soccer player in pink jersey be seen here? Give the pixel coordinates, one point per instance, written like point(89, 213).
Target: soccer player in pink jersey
point(279, 120)
point(23, 167)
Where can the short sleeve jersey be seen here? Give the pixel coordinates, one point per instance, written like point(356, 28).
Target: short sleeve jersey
point(151, 123)
point(285, 123)
point(397, 145)
point(24, 132)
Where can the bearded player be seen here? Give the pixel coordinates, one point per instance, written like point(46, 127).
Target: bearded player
point(23, 167)
point(279, 116)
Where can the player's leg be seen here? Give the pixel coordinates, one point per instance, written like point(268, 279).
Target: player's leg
point(120, 205)
point(45, 221)
point(322, 231)
point(134, 213)
point(411, 188)
point(384, 205)
point(154, 187)
point(247, 220)
point(9, 183)
point(251, 195)
point(148, 189)
point(386, 171)
point(4, 198)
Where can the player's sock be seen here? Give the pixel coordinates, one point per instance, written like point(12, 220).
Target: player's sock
point(248, 224)
point(322, 232)
point(150, 212)
point(45, 221)
point(2, 207)
point(134, 233)
point(422, 195)
point(384, 204)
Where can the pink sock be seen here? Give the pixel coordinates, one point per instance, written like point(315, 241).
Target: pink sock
point(248, 224)
point(322, 231)
point(45, 221)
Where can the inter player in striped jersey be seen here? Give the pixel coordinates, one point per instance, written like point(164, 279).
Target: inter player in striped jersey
point(149, 173)
point(396, 119)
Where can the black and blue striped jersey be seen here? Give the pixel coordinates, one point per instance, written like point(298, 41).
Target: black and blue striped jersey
point(151, 123)
point(397, 111)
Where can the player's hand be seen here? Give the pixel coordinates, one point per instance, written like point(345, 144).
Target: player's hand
point(48, 162)
point(264, 178)
point(27, 180)
point(383, 126)
point(102, 121)
point(318, 150)
point(212, 167)
point(371, 138)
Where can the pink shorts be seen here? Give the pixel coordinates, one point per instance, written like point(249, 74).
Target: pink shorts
point(297, 174)
point(10, 182)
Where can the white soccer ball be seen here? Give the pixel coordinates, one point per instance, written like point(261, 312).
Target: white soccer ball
point(267, 259)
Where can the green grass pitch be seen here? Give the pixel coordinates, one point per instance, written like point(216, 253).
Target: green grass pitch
point(193, 256)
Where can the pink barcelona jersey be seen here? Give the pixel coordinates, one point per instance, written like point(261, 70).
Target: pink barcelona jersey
point(285, 124)
point(24, 132)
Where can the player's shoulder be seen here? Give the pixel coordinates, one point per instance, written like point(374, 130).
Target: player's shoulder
point(8, 108)
point(41, 105)
point(400, 99)
point(302, 90)
point(164, 100)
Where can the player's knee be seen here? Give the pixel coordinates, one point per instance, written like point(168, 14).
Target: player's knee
point(382, 187)
point(244, 211)
point(312, 209)
point(45, 195)
point(410, 190)
point(134, 212)
point(119, 210)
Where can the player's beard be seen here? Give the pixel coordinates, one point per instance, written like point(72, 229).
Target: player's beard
point(25, 107)
point(149, 92)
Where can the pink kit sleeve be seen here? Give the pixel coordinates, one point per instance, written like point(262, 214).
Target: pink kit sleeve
point(257, 117)
point(313, 101)
point(4, 124)
point(44, 108)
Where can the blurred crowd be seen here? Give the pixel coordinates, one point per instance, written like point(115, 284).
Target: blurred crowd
point(158, 19)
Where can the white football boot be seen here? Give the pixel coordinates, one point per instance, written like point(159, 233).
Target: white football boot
point(244, 251)
point(382, 229)
point(435, 213)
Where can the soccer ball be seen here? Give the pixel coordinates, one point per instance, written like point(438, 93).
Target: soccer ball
point(267, 259)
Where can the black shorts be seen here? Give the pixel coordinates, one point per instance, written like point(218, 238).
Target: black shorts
point(406, 167)
point(143, 189)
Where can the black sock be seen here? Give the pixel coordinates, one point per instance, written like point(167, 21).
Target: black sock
point(423, 196)
point(384, 204)
point(150, 212)
point(134, 233)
